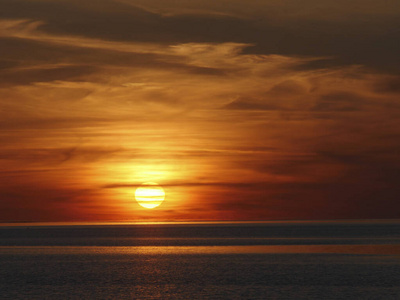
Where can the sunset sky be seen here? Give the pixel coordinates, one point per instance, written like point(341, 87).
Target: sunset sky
point(240, 110)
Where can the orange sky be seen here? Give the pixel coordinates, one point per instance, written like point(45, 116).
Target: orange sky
point(241, 110)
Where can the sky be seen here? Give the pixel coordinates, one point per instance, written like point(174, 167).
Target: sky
point(240, 110)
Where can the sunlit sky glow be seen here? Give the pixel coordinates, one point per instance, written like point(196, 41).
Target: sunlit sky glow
point(240, 110)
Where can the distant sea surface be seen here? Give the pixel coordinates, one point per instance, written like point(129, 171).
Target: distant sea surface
point(270, 260)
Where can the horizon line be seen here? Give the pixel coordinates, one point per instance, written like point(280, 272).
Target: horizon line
point(183, 222)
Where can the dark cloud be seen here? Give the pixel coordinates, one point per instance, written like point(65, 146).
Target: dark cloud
point(388, 85)
point(274, 99)
point(340, 102)
point(25, 123)
point(330, 63)
point(60, 155)
point(28, 61)
point(350, 40)
point(23, 202)
point(288, 87)
point(117, 21)
point(6, 64)
point(250, 104)
point(90, 18)
point(349, 198)
point(24, 77)
point(305, 200)
point(233, 185)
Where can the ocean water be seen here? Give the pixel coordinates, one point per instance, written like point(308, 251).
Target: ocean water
point(274, 260)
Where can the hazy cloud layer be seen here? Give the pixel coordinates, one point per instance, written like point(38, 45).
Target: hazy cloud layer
point(359, 32)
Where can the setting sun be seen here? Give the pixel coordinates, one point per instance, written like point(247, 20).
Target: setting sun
point(149, 195)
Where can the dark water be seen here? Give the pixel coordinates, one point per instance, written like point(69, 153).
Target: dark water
point(358, 260)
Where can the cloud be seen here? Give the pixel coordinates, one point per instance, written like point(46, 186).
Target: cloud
point(288, 87)
point(273, 28)
point(242, 104)
point(233, 185)
point(340, 101)
point(390, 84)
point(43, 74)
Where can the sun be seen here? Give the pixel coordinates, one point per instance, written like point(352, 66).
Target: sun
point(149, 195)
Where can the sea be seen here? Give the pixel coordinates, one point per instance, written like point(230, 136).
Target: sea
point(206, 260)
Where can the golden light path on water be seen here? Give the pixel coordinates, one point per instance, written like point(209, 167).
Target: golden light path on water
point(261, 249)
point(149, 195)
